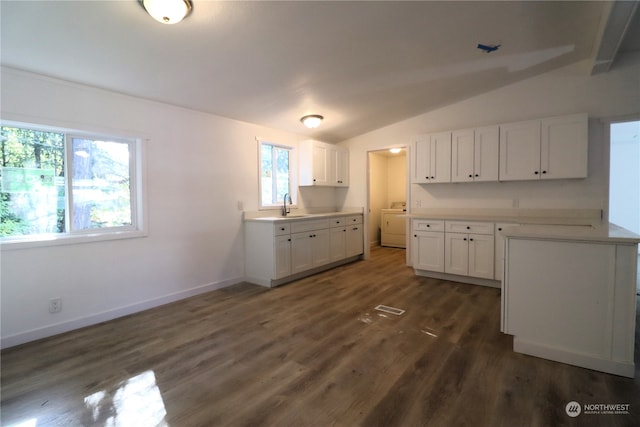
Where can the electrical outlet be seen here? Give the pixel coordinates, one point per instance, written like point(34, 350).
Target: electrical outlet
point(515, 203)
point(55, 305)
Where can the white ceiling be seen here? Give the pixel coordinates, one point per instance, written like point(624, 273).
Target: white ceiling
point(362, 65)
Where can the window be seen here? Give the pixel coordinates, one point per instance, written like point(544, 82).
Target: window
point(55, 184)
point(276, 172)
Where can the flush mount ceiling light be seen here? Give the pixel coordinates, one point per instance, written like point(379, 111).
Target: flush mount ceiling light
point(312, 120)
point(395, 150)
point(167, 11)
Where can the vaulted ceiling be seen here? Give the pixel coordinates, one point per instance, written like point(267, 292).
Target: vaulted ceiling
point(362, 65)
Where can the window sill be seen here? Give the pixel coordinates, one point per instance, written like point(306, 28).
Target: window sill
point(30, 242)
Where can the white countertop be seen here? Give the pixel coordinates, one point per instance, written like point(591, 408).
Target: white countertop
point(297, 216)
point(608, 233)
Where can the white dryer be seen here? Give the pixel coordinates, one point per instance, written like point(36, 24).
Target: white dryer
point(393, 225)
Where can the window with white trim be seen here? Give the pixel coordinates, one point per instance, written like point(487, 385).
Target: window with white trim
point(58, 184)
point(276, 174)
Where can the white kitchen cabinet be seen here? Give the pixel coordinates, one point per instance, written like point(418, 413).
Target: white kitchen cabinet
point(267, 251)
point(283, 256)
point(282, 250)
point(475, 154)
point(550, 148)
point(428, 245)
point(338, 241)
point(431, 159)
point(564, 147)
point(309, 249)
point(355, 239)
point(322, 164)
point(469, 255)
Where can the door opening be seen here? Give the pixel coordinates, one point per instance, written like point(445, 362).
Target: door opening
point(387, 196)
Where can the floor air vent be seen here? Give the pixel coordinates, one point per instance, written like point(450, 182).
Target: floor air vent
point(390, 310)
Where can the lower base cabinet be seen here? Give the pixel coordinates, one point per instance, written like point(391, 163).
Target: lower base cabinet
point(285, 250)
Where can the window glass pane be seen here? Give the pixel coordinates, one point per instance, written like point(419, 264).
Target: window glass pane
point(275, 174)
point(32, 182)
point(282, 174)
point(101, 184)
point(266, 175)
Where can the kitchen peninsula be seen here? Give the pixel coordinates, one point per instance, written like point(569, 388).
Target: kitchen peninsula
point(569, 294)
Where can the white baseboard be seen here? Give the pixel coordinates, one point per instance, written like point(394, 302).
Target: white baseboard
point(625, 369)
point(81, 322)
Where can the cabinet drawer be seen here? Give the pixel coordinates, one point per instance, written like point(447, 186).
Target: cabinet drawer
point(469, 227)
point(301, 226)
point(338, 222)
point(353, 219)
point(428, 225)
point(280, 229)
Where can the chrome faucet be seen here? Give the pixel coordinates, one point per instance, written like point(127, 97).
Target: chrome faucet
point(285, 211)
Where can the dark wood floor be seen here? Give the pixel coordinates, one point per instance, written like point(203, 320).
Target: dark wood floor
point(310, 353)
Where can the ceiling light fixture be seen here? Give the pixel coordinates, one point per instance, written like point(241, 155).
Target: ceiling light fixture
point(395, 150)
point(312, 120)
point(167, 11)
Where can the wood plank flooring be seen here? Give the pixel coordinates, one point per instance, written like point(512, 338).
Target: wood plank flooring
point(309, 353)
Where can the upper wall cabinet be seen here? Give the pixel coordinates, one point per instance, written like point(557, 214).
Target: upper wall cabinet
point(322, 164)
point(551, 148)
point(474, 154)
point(431, 161)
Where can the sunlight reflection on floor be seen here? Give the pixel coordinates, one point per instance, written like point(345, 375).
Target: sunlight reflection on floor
point(137, 402)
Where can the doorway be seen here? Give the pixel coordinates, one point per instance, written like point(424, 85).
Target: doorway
point(387, 190)
point(624, 175)
point(624, 178)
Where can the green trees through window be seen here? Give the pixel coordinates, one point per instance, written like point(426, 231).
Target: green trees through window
point(42, 194)
point(275, 173)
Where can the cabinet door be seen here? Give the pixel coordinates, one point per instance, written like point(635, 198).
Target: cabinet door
point(301, 253)
point(341, 167)
point(420, 153)
point(338, 243)
point(283, 256)
point(440, 158)
point(355, 240)
point(564, 147)
point(320, 247)
point(520, 151)
point(486, 153)
point(428, 251)
point(498, 269)
point(320, 164)
point(456, 254)
point(462, 156)
point(481, 255)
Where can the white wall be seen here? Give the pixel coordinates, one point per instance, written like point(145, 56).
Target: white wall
point(198, 167)
point(378, 189)
point(564, 91)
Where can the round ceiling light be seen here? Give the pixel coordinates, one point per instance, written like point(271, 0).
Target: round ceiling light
point(312, 120)
point(167, 11)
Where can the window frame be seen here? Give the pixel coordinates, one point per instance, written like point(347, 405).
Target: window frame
point(70, 236)
point(292, 175)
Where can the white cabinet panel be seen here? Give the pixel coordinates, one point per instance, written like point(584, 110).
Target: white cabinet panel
point(456, 257)
point(428, 251)
point(355, 240)
point(564, 147)
point(520, 151)
point(322, 164)
point(474, 154)
point(338, 243)
point(481, 256)
point(431, 161)
point(283, 256)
